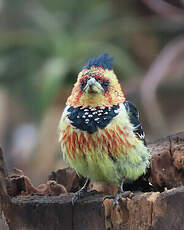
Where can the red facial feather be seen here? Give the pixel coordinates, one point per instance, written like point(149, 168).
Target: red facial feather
point(107, 94)
point(78, 97)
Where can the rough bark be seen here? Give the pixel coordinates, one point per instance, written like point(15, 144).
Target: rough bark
point(3, 224)
point(49, 207)
point(148, 211)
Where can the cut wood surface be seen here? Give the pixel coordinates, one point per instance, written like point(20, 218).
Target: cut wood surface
point(49, 207)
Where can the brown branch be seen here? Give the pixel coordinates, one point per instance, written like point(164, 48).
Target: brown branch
point(160, 68)
point(5, 202)
point(3, 178)
point(165, 9)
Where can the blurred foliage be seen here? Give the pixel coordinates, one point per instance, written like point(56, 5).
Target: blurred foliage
point(44, 44)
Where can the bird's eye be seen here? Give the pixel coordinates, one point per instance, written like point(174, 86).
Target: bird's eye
point(105, 85)
point(83, 83)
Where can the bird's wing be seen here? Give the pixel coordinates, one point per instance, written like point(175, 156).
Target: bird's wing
point(134, 119)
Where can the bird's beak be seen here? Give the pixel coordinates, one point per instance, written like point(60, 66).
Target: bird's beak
point(91, 82)
point(93, 86)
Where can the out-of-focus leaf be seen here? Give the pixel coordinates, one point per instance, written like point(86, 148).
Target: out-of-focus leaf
point(51, 78)
point(43, 42)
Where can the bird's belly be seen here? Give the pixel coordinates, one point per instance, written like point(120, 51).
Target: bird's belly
point(108, 155)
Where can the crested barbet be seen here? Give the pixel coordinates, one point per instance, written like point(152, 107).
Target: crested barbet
point(99, 131)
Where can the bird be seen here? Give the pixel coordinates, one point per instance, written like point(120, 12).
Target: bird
point(99, 131)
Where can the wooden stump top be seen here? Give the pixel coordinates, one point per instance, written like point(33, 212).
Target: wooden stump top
point(49, 207)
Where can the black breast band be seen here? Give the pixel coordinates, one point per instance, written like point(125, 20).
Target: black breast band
point(90, 118)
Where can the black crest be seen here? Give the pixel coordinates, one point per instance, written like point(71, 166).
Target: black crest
point(102, 60)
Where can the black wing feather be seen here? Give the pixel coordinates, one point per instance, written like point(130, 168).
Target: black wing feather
point(134, 119)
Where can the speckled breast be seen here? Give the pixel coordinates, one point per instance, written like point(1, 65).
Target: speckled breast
point(91, 118)
point(87, 131)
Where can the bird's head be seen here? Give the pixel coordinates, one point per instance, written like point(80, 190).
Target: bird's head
point(97, 84)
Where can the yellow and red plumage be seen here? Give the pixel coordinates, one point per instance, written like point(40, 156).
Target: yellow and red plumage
point(97, 130)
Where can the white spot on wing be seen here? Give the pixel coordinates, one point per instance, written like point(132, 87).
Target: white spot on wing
point(141, 136)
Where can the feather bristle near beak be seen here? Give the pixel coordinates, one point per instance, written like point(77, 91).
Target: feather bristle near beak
point(93, 86)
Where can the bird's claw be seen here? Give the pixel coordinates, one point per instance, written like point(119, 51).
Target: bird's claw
point(76, 196)
point(108, 197)
point(117, 197)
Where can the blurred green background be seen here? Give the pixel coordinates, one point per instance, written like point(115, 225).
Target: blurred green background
point(43, 46)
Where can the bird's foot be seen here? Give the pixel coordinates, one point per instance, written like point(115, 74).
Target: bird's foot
point(108, 197)
point(120, 195)
point(81, 194)
point(116, 198)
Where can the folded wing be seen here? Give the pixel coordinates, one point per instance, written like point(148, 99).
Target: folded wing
point(134, 119)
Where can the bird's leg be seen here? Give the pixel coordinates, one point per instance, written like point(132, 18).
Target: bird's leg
point(120, 193)
point(82, 192)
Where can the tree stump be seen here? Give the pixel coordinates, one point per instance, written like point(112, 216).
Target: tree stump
point(48, 206)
